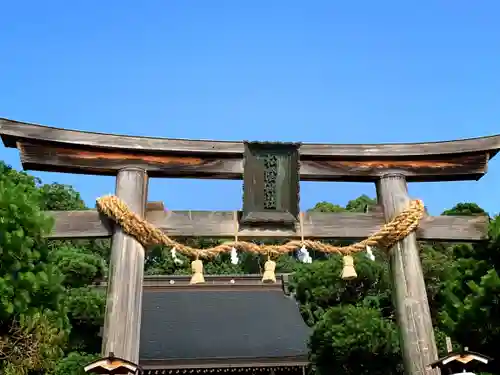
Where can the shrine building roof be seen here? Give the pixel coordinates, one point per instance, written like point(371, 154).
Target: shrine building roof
point(228, 322)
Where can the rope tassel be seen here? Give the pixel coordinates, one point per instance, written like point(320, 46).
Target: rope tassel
point(197, 268)
point(348, 272)
point(269, 276)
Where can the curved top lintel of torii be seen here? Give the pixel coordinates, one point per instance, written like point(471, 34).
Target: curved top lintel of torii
point(53, 149)
point(12, 131)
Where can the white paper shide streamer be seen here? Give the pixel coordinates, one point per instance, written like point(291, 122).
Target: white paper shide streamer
point(303, 255)
point(234, 256)
point(173, 253)
point(369, 253)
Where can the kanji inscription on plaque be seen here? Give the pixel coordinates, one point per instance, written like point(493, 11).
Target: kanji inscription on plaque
point(271, 183)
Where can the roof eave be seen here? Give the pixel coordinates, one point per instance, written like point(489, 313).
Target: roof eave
point(212, 363)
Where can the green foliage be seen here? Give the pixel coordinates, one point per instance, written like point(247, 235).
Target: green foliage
point(79, 265)
point(355, 340)
point(82, 262)
point(360, 204)
point(31, 288)
point(46, 307)
point(465, 209)
point(58, 197)
point(439, 265)
point(32, 345)
point(85, 307)
point(327, 207)
point(470, 312)
point(318, 286)
point(478, 315)
point(74, 363)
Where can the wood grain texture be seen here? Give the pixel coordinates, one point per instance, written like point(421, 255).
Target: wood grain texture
point(271, 183)
point(57, 158)
point(122, 322)
point(155, 206)
point(220, 224)
point(13, 131)
point(409, 295)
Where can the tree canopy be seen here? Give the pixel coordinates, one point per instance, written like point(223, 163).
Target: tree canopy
point(50, 315)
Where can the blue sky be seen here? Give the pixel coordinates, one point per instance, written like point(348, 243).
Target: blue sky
point(310, 71)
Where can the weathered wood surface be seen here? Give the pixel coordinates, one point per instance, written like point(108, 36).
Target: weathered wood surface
point(13, 131)
point(271, 183)
point(122, 322)
point(99, 161)
point(155, 206)
point(220, 224)
point(409, 295)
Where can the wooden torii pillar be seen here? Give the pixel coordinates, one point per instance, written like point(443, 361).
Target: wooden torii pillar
point(133, 159)
point(418, 344)
point(122, 323)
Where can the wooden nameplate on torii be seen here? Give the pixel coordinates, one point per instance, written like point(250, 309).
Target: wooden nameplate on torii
point(271, 176)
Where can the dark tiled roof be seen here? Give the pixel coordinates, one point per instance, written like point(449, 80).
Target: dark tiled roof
point(203, 322)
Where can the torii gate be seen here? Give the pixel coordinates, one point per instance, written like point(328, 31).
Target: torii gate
point(133, 159)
